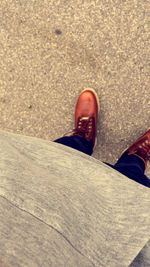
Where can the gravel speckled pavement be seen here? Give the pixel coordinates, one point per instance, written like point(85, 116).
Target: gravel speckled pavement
point(51, 50)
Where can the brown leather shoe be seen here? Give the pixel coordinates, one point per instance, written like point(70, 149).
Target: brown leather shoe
point(86, 115)
point(141, 148)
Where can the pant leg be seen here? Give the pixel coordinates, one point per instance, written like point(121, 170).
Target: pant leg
point(133, 167)
point(129, 165)
point(77, 142)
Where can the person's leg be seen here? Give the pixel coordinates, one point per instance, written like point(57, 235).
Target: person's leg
point(129, 165)
point(133, 167)
point(77, 142)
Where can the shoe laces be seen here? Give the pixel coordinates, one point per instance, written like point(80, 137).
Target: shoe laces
point(144, 149)
point(81, 128)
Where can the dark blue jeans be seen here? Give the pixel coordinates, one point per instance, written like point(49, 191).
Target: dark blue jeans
point(129, 165)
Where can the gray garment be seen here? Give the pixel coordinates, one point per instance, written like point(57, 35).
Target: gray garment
point(60, 207)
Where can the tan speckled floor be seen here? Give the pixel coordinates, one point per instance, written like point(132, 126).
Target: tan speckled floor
point(51, 50)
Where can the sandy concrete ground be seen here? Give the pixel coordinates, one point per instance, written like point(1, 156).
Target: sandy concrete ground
point(51, 50)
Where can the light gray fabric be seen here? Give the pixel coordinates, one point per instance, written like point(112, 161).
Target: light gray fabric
point(60, 207)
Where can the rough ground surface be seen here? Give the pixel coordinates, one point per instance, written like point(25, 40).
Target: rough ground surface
point(51, 50)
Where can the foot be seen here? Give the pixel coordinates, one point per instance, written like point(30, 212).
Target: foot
point(141, 148)
point(86, 115)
